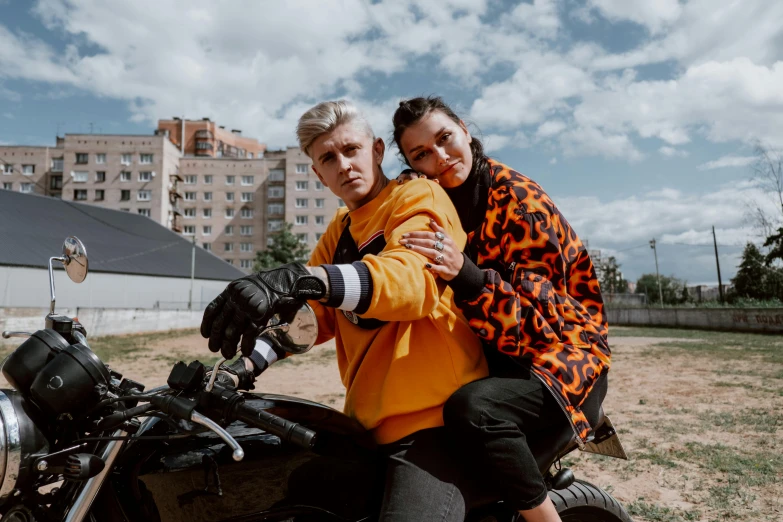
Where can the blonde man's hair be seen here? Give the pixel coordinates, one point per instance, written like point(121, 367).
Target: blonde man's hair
point(325, 117)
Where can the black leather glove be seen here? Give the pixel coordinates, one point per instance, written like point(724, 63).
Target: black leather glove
point(236, 375)
point(249, 302)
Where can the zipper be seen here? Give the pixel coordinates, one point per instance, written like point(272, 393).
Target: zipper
point(559, 401)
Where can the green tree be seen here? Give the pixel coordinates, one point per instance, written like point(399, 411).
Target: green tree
point(751, 274)
point(775, 244)
point(610, 277)
point(671, 288)
point(284, 248)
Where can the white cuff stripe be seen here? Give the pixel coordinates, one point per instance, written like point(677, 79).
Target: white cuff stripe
point(353, 287)
point(265, 350)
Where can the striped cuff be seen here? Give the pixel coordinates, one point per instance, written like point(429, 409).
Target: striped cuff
point(264, 355)
point(350, 287)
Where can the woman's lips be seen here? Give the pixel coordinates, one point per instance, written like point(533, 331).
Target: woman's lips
point(448, 169)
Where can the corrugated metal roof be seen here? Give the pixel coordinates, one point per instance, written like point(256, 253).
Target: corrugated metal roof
point(33, 228)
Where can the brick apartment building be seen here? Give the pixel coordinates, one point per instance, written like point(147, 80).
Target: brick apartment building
point(230, 198)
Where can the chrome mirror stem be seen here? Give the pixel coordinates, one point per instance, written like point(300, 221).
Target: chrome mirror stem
point(51, 281)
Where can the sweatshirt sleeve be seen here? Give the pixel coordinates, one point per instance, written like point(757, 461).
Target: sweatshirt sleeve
point(520, 313)
point(395, 285)
point(321, 255)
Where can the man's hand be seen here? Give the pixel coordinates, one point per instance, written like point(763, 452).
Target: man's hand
point(238, 375)
point(249, 302)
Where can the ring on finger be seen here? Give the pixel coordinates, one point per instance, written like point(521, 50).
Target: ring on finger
point(438, 246)
point(438, 259)
point(440, 235)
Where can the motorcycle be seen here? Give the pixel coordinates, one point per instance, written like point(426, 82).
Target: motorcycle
point(78, 442)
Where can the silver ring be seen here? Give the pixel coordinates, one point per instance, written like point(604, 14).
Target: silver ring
point(440, 235)
point(438, 259)
point(438, 246)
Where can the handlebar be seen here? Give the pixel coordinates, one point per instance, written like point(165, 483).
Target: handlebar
point(287, 431)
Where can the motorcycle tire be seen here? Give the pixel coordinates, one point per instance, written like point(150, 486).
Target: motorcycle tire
point(584, 502)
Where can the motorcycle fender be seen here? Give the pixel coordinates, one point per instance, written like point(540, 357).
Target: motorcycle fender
point(606, 442)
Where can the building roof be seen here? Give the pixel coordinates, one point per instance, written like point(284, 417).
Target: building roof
point(33, 228)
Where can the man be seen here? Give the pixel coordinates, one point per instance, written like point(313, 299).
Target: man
point(402, 347)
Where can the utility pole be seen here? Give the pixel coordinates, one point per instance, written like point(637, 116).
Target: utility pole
point(717, 263)
point(192, 272)
point(657, 274)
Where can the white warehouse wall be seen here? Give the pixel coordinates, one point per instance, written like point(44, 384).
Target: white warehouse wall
point(29, 287)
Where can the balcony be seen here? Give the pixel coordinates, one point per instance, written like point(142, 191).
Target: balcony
point(203, 145)
point(204, 135)
point(57, 164)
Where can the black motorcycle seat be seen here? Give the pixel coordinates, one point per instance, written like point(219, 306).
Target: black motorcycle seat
point(548, 445)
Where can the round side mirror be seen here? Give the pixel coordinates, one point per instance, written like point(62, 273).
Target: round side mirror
point(75, 256)
point(300, 334)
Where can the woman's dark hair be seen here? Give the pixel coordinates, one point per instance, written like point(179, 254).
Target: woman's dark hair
point(411, 111)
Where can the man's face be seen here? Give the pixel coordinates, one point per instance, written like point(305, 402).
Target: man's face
point(348, 161)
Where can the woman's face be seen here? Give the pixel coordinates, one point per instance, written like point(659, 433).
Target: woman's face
point(439, 148)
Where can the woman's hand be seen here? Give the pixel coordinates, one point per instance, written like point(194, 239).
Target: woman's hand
point(409, 174)
point(446, 258)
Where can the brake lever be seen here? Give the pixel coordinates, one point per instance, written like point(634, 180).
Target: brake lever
point(213, 376)
point(238, 453)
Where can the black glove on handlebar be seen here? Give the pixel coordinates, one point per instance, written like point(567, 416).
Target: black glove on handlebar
point(249, 302)
point(239, 377)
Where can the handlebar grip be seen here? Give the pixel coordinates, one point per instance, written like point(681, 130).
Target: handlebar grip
point(287, 431)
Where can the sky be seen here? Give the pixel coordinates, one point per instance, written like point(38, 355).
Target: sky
point(639, 118)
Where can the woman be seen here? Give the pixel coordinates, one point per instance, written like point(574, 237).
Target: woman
point(528, 289)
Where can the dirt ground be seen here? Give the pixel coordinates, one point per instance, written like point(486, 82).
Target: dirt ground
point(699, 414)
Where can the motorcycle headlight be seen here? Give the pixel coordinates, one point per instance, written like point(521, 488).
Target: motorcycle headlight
point(19, 439)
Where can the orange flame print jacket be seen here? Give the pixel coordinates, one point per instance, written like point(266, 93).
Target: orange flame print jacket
point(537, 296)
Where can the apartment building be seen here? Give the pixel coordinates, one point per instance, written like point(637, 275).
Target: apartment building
point(229, 206)
point(205, 138)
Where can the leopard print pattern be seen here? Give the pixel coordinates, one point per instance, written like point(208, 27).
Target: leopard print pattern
point(551, 314)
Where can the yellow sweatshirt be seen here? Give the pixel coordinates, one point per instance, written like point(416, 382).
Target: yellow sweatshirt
point(399, 375)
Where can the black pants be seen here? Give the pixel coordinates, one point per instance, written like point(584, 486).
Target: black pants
point(491, 421)
point(422, 478)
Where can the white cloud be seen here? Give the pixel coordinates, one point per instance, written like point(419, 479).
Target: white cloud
point(494, 142)
point(592, 141)
point(653, 15)
point(553, 161)
point(540, 18)
point(728, 161)
point(671, 152)
point(550, 128)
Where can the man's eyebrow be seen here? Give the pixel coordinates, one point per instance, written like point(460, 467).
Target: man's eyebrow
point(414, 149)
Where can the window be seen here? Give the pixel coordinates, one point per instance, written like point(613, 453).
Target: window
point(318, 236)
point(319, 185)
point(246, 230)
point(123, 209)
point(207, 246)
point(247, 196)
point(301, 168)
point(56, 182)
point(275, 209)
point(276, 192)
point(28, 170)
point(229, 230)
point(301, 185)
point(189, 213)
point(145, 176)
point(8, 169)
point(246, 264)
point(80, 195)
point(273, 225)
point(276, 175)
point(319, 203)
point(246, 213)
point(80, 176)
point(228, 247)
point(245, 247)
point(206, 213)
point(319, 220)
point(8, 185)
point(190, 196)
point(145, 159)
point(189, 230)
point(126, 159)
point(82, 158)
point(301, 203)
point(229, 261)
point(207, 179)
point(125, 175)
point(301, 220)
point(207, 196)
point(207, 230)
point(27, 188)
point(100, 176)
point(144, 212)
point(99, 194)
point(191, 180)
point(125, 195)
point(247, 180)
point(302, 237)
point(229, 196)
point(57, 164)
point(100, 159)
point(230, 180)
point(229, 213)
point(144, 195)
point(270, 241)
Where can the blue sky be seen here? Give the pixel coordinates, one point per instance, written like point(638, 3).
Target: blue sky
point(638, 117)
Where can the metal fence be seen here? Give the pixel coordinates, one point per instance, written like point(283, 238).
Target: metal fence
point(180, 305)
point(625, 299)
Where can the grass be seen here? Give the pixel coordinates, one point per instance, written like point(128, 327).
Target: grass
point(117, 347)
point(755, 419)
point(656, 513)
